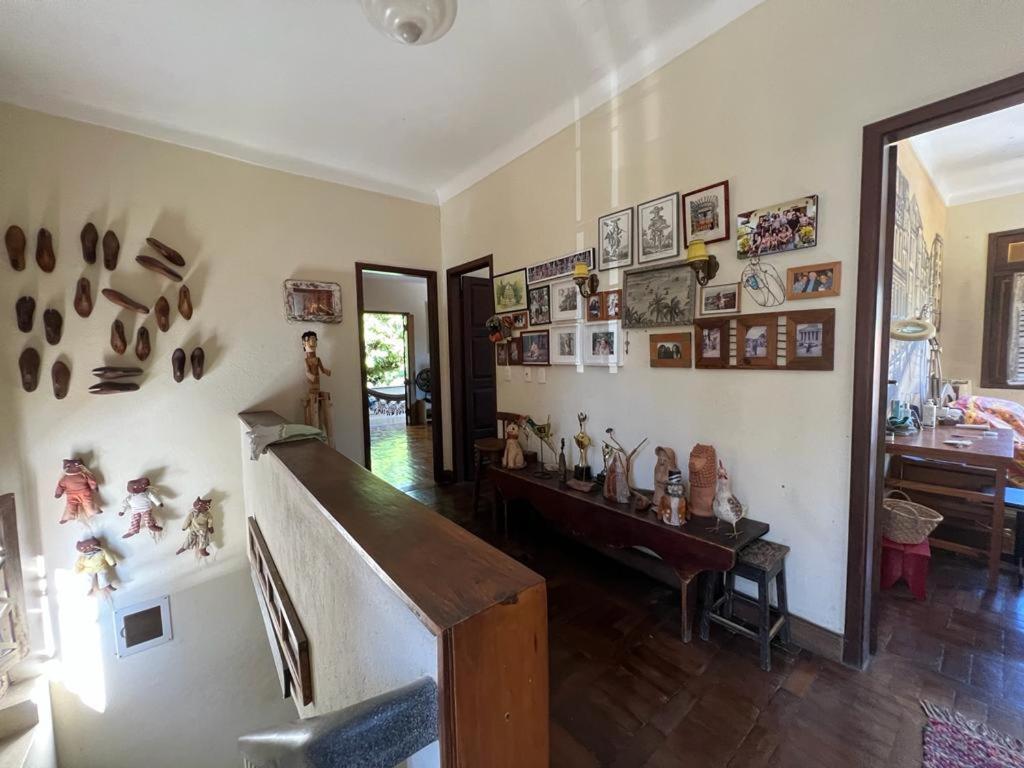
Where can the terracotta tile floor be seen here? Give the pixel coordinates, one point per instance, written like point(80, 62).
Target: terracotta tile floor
point(626, 692)
point(402, 455)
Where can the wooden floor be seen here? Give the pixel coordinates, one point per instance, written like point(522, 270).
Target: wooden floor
point(625, 691)
point(402, 455)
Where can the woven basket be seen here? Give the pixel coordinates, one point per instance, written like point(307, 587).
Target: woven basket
point(906, 521)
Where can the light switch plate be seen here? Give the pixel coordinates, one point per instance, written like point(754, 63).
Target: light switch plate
point(527, 374)
point(542, 375)
point(508, 373)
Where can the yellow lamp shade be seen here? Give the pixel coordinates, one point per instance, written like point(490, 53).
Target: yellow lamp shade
point(580, 269)
point(696, 251)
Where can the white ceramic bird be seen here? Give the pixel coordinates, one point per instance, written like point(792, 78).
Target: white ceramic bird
point(726, 506)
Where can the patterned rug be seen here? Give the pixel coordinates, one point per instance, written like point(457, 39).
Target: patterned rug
point(953, 741)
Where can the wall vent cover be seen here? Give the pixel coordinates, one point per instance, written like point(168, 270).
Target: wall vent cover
point(142, 626)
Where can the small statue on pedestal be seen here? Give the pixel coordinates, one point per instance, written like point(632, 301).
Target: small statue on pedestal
point(674, 493)
point(94, 560)
point(77, 485)
point(665, 465)
point(513, 457)
point(582, 469)
point(563, 467)
point(199, 525)
point(140, 501)
point(317, 403)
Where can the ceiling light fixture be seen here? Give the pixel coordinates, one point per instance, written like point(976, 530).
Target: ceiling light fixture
point(411, 22)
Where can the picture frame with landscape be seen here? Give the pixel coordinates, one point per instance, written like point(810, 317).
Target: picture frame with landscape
point(510, 291)
point(671, 350)
point(810, 340)
point(536, 349)
point(540, 304)
point(658, 228)
point(757, 341)
point(659, 296)
point(601, 342)
point(566, 302)
point(814, 281)
point(615, 240)
point(312, 301)
point(722, 299)
point(711, 348)
point(706, 214)
point(565, 344)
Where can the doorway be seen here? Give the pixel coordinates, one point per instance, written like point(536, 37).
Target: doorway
point(878, 225)
point(471, 361)
point(398, 346)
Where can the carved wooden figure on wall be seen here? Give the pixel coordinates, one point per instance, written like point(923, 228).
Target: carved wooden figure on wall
point(96, 562)
point(45, 257)
point(118, 341)
point(185, 302)
point(83, 297)
point(90, 237)
point(162, 310)
point(78, 487)
point(14, 239)
point(140, 501)
point(53, 325)
point(111, 250)
point(199, 528)
point(24, 313)
point(60, 376)
point(317, 403)
point(28, 365)
point(167, 252)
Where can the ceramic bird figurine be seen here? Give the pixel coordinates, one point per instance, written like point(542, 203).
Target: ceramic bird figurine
point(726, 506)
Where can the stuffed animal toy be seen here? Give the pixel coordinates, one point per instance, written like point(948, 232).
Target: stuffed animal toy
point(666, 463)
point(140, 502)
point(77, 485)
point(199, 527)
point(94, 560)
point(513, 458)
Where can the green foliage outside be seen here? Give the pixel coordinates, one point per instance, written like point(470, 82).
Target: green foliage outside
point(385, 350)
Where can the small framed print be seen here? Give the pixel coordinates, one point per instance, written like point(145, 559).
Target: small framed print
point(566, 302)
point(757, 341)
point(671, 350)
point(721, 299)
point(535, 348)
point(615, 240)
point(815, 281)
point(712, 347)
point(565, 345)
point(810, 340)
point(515, 350)
point(540, 304)
point(501, 353)
point(510, 291)
point(612, 305)
point(595, 307)
point(518, 321)
point(310, 301)
point(601, 343)
point(706, 214)
point(777, 228)
point(552, 269)
point(658, 228)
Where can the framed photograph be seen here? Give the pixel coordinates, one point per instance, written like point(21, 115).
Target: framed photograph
point(515, 350)
point(757, 341)
point(712, 347)
point(810, 340)
point(612, 305)
point(566, 302)
point(535, 348)
point(501, 353)
point(595, 307)
point(510, 291)
point(540, 305)
point(671, 350)
point(565, 345)
point(601, 343)
point(721, 299)
point(518, 321)
point(777, 229)
point(309, 301)
point(615, 240)
point(706, 214)
point(657, 297)
point(560, 267)
point(815, 281)
point(658, 228)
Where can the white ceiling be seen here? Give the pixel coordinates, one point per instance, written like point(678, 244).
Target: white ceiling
point(308, 86)
point(977, 159)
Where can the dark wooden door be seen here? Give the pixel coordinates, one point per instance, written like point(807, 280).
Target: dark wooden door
point(480, 388)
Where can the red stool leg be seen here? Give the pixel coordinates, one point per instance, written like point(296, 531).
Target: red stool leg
point(892, 566)
point(915, 569)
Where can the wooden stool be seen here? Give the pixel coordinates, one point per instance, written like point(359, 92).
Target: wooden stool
point(487, 450)
point(760, 561)
point(908, 562)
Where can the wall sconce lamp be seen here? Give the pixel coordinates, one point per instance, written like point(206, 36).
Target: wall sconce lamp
point(585, 280)
point(702, 262)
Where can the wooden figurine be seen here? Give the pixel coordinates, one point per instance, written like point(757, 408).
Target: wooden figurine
point(616, 482)
point(111, 250)
point(167, 252)
point(53, 326)
point(77, 485)
point(582, 469)
point(726, 506)
point(563, 467)
point(317, 403)
point(140, 501)
point(14, 239)
point(28, 365)
point(89, 237)
point(118, 341)
point(665, 464)
point(24, 313)
point(199, 528)
point(185, 302)
point(513, 457)
point(60, 376)
point(703, 479)
point(675, 492)
point(162, 310)
point(95, 561)
point(45, 257)
point(83, 297)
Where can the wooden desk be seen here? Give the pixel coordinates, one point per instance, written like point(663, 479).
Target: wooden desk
point(690, 550)
point(995, 453)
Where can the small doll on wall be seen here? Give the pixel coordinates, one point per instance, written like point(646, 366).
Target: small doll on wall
point(95, 561)
point(140, 501)
point(199, 527)
point(77, 485)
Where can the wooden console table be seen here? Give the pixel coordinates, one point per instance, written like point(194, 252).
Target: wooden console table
point(690, 550)
point(995, 453)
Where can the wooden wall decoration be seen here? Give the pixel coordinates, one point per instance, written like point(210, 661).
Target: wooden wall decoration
point(803, 340)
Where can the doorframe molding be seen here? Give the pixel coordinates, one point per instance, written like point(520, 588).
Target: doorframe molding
point(435, 365)
point(453, 282)
point(871, 340)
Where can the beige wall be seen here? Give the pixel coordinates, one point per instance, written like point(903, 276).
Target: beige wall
point(963, 300)
point(775, 103)
point(243, 230)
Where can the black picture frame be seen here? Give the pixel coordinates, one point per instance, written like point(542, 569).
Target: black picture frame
point(602, 265)
point(539, 302)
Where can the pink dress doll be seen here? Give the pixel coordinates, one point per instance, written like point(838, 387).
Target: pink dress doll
point(77, 485)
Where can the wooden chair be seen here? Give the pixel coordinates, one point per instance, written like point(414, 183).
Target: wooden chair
point(490, 449)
